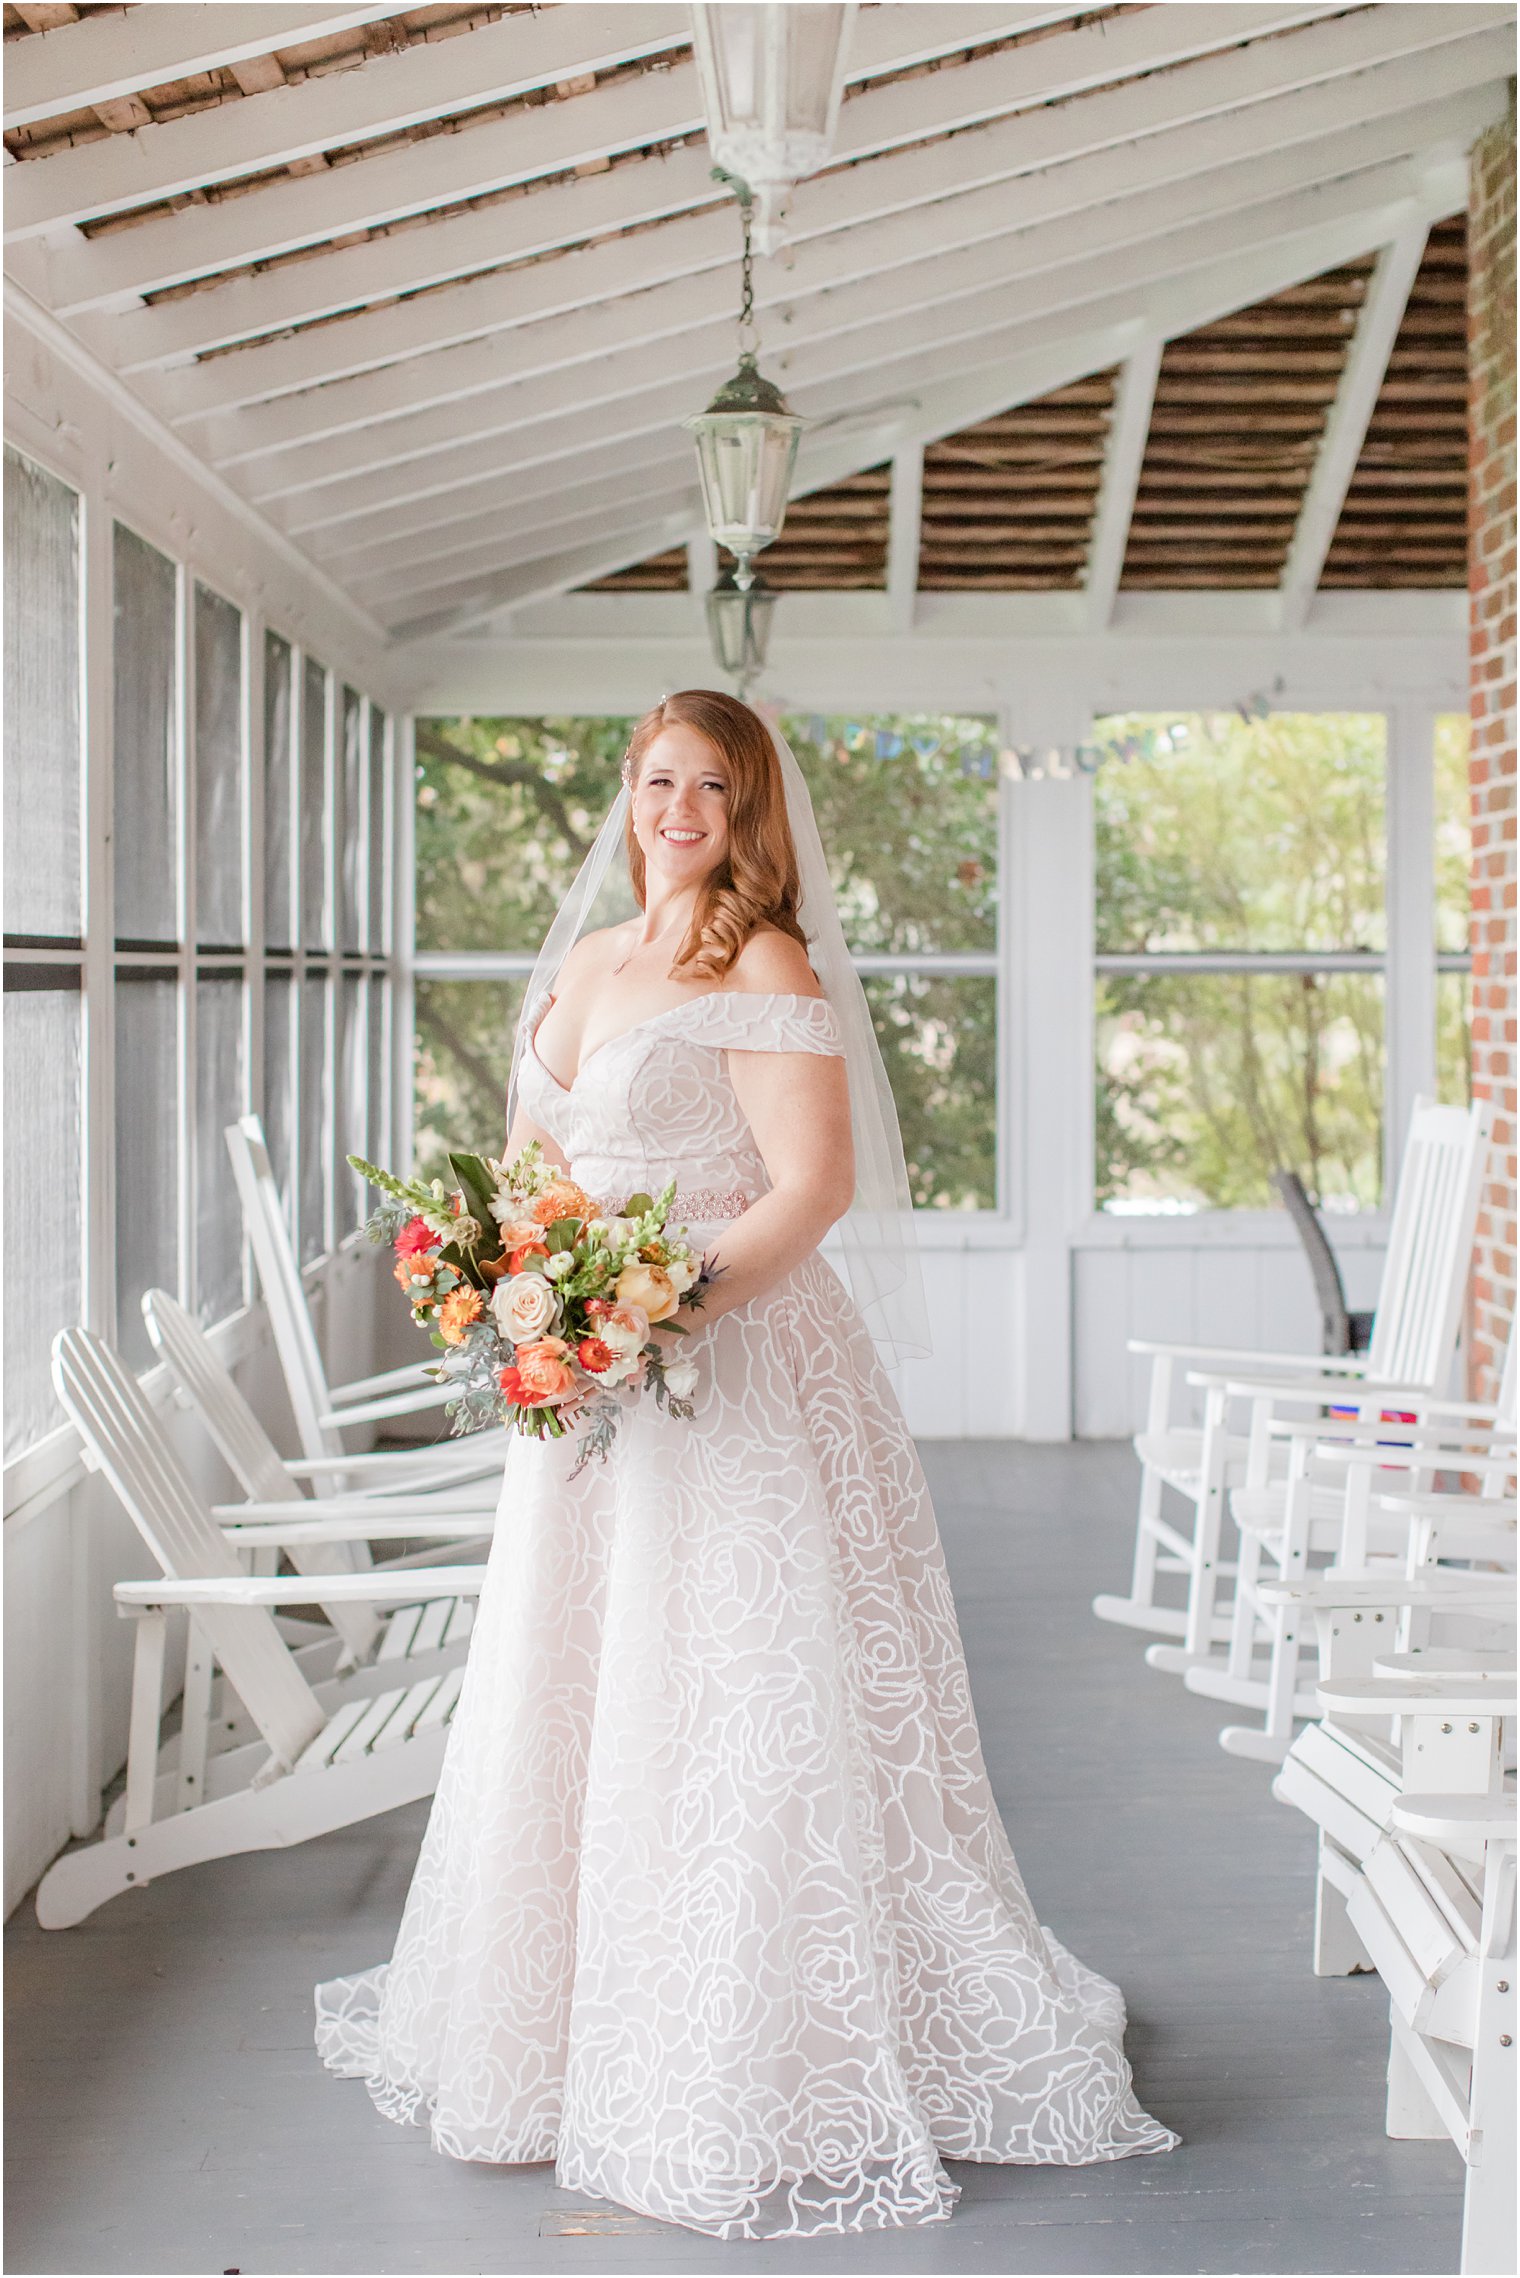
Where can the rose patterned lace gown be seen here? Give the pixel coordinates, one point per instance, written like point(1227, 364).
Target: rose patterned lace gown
point(714, 1907)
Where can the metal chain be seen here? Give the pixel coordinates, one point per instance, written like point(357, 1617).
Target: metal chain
point(748, 332)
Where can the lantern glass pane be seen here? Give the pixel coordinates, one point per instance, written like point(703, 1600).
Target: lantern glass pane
point(746, 462)
point(812, 63)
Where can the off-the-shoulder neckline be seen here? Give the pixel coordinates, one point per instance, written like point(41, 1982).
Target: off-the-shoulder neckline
point(685, 1004)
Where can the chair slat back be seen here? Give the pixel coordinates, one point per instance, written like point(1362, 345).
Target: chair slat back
point(274, 1254)
point(128, 1442)
point(251, 1454)
point(1435, 1214)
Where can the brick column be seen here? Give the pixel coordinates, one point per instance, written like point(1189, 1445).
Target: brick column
point(1491, 621)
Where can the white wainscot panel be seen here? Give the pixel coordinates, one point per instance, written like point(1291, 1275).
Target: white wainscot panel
point(1232, 1281)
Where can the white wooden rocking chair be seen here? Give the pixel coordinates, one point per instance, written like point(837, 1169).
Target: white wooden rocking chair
point(1330, 1506)
point(264, 1756)
point(1434, 1907)
point(1414, 1336)
point(1345, 1774)
point(324, 1412)
point(270, 1482)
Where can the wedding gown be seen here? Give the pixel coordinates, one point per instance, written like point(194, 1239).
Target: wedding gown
point(714, 1907)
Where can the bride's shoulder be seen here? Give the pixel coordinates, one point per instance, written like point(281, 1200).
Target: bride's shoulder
point(771, 963)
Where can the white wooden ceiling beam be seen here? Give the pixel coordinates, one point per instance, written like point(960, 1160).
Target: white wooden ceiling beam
point(434, 449)
point(1004, 368)
point(103, 58)
point(322, 369)
point(387, 95)
point(1122, 460)
point(881, 417)
point(1366, 366)
point(418, 403)
point(906, 508)
point(245, 306)
point(293, 213)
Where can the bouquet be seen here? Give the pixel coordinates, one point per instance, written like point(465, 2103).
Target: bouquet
point(542, 1308)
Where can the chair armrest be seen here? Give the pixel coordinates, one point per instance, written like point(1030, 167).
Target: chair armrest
point(374, 1587)
point(1450, 1693)
point(1449, 1503)
point(1323, 1384)
point(378, 1512)
point(389, 1380)
point(1245, 1357)
point(394, 1463)
point(1450, 1821)
point(1437, 1587)
point(375, 1411)
point(403, 1527)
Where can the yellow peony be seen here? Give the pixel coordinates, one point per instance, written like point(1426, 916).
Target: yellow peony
point(648, 1287)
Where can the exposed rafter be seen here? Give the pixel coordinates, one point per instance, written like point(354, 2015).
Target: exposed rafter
point(1131, 114)
point(654, 387)
point(1016, 366)
point(902, 546)
point(100, 60)
point(633, 292)
point(623, 116)
point(1346, 429)
point(1121, 476)
point(390, 94)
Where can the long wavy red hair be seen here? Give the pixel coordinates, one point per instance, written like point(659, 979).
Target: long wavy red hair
point(756, 884)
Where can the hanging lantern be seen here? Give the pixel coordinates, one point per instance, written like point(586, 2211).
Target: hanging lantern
point(739, 621)
point(771, 79)
point(746, 442)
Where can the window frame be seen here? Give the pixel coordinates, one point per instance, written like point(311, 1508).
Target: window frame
point(36, 1474)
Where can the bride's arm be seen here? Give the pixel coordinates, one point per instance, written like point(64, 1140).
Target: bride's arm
point(797, 1104)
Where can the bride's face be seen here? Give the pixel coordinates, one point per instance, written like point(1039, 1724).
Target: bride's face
point(680, 808)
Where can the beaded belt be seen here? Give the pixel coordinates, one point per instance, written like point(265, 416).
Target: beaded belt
point(698, 1206)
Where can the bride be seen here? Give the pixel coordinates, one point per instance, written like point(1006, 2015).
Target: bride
point(715, 1908)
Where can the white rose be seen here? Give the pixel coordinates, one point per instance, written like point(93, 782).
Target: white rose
point(682, 1276)
point(681, 1379)
point(524, 1306)
point(559, 1265)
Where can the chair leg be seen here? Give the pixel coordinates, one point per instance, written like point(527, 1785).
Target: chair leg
point(1412, 2116)
point(1338, 1951)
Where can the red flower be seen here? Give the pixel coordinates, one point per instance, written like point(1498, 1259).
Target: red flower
point(594, 1355)
point(415, 1237)
point(512, 1386)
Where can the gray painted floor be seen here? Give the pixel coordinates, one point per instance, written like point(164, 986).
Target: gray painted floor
point(167, 2112)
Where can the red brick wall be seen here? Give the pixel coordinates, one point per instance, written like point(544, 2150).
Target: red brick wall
point(1491, 582)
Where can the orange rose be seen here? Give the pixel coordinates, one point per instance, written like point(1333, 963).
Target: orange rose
point(561, 1198)
point(516, 1231)
point(458, 1310)
point(518, 1261)
point(544, 1373)
point(650, 1288)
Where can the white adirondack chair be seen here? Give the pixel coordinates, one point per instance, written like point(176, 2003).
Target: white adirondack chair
point(270, 1483)
point(1434, 1906)
point(265, 1757)
point(1414, 1336)
point(1345, 1774)
point(1328, 1506)
point(323, 1412)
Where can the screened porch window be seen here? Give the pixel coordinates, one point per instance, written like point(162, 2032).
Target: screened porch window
point(1240, 869)
point(908, 809)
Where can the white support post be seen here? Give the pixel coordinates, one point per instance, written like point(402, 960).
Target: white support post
point(1346, 429)
point(404, 924)
point(906, 509)
point(1128, 430)
point(1409, 1008)
point(1052, 885)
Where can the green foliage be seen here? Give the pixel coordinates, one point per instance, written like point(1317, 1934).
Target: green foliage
point(1248, 835)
